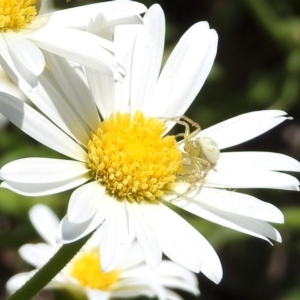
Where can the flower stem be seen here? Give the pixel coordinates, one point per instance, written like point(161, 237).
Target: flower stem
point(48, 271)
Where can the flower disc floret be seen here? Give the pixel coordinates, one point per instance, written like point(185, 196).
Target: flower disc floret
point(130, 156)
point(15, 14)
point(86, 269)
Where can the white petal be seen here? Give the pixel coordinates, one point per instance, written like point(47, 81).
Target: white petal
point(173, 296)
point(183, 244)
point(185, 72)
point(18, 280)
point(249, 178)
point(255, 226)
point(170, 269)
point(178, 284)
point(138, 287)
point(45, 222)
point(94, 240)
point(101, 86)
point(69, 231)
point(42, 170)
point(98, 294)
point(43, 189)
point(244, 127)
point(100, 27)
point(167, 274)
point(38, 127)
point(124, 39)
point(3, 122)
point(115, 237)
point(232, 202)
point(51, 100)
point(84, 202)
point(258, 161)
point(132, 258)
point(247, 225)
point(89, 52)
point(26, 53)
point(37, 254)
point(37, 23)
point(7, 86)
point(9, 64)
point(70, 78)
point(79, 17)
point(147, 57)
point(145, 234)
point(136, 19)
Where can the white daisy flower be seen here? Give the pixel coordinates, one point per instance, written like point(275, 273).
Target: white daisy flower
point(131, 278)
point(128, 169)
point(59, 32)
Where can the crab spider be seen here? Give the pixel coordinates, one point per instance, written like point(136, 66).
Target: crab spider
point(200, 153)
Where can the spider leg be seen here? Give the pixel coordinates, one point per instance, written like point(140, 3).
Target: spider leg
point(200, 168)
point(187, 123)
point(201, 161)
point(183, 123)
point(193, 124)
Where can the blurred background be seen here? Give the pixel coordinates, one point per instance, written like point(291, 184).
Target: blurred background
point(257, 67)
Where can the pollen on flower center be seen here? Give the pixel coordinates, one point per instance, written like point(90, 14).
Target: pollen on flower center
point(130, 156)
point(15, 14)
point(86, 269)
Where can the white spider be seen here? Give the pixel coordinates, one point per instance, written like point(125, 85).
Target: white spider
point(200, 154)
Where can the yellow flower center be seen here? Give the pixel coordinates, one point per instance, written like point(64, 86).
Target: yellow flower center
point(15, 14)
point(86, 269)
point(130, 156)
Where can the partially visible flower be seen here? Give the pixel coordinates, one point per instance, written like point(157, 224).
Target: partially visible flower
point(23, 31)
point(7, 86)
point(127, 170)
point(131, 278)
